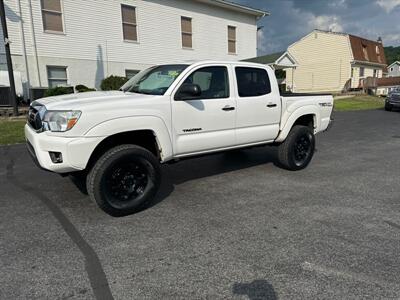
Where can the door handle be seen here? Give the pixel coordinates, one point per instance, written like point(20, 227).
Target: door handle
point(271, 105)
point(228, 108)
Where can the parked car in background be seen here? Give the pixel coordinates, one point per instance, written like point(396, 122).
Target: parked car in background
point(393, 100)
point(117, 140)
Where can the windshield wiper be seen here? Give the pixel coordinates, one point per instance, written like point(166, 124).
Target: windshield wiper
point(137, 91)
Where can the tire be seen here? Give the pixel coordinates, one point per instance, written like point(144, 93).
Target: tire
point(124, 179)
point(296, 152)
point(388, 107)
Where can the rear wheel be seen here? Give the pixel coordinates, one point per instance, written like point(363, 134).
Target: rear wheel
point(296, 152)
point(124, 179)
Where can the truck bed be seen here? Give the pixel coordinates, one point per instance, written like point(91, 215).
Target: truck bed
point(304, 94)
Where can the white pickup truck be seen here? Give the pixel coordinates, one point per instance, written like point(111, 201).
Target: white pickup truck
point(117, 140)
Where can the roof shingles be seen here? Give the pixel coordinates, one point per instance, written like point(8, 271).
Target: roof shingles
point(367, 51)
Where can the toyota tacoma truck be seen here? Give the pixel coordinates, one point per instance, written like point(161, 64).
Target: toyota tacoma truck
point(117, 140)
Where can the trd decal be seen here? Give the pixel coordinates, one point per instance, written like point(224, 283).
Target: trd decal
point(192, 129)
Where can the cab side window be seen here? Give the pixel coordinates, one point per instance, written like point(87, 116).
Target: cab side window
point(213, 82)
point(252, 82)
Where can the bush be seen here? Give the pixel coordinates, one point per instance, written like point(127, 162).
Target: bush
point(80, 88)
point(60, 90)
point(113, 83)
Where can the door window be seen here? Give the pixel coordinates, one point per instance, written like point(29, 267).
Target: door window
point(213, 82)
point(252, 82)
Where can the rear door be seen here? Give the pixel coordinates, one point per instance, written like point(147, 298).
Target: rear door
point(258, 105)
point(208, 121)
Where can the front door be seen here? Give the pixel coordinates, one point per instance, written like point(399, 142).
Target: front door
point(206, 121)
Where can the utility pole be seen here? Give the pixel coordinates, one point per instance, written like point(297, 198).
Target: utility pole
point(8, 57)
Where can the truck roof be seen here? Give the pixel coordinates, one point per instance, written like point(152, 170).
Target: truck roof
point(231, 62)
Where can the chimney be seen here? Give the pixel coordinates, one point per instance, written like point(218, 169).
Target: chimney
point(380, 40)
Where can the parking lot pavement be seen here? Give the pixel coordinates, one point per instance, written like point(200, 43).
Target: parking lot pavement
point(230, 225)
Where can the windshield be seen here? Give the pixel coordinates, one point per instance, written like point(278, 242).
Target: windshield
point(154, 81)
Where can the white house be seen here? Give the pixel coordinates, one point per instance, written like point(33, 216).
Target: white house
point(394, 69)
point(334, 62)
point(70, 42)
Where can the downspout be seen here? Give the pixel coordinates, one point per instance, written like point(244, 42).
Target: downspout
point(294, 69)
point(35, 55)
point(21, 27)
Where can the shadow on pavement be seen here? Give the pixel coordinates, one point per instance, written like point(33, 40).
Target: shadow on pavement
point(211, 165)
point(256, 290)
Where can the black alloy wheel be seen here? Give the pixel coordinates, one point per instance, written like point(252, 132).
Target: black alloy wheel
point(124, 179)
point(296, 152)
point(302, 148)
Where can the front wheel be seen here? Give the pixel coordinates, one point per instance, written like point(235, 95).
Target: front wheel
point(388, 107)
point(124, 179)
point(296, 152)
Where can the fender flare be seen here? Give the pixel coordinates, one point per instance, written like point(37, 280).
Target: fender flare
point(135, 123)
point(294, 116)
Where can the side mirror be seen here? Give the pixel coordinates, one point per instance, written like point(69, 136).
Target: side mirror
point(188, 91)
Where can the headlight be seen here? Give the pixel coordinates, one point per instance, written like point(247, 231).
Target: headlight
point(60, 121)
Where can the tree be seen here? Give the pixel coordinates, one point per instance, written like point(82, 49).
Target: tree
point(113, 83)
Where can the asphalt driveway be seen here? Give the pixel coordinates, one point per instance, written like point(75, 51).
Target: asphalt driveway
point(230, 225)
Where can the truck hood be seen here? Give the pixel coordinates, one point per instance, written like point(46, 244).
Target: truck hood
point(87, 99)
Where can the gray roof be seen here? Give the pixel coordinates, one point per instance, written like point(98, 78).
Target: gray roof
point(265, 59)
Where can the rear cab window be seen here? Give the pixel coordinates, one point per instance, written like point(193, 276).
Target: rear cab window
point(252, 82)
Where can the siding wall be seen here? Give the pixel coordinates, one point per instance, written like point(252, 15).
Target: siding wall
point(92, 46)
point(368, 72)
point(323, 63)
point(395, 72)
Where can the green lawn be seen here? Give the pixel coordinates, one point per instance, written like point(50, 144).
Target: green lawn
point(359, 103)
point(11, 131)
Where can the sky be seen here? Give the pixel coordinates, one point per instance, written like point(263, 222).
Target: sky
point(292, 19)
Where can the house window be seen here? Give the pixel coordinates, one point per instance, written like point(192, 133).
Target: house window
point(129, 25)
point(361, 71)
point(352, 72)
point(231, 39)
point(391, 69)
point(187, 34)
point(57, 76)
point(365, 52)
point(52, 15)
point(375, 73)
point(130, 73)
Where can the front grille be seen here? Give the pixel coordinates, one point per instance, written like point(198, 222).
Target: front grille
point(395, 97)
point(34, 119)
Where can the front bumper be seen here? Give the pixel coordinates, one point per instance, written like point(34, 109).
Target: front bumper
point(393, 103)
point(75, 151)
